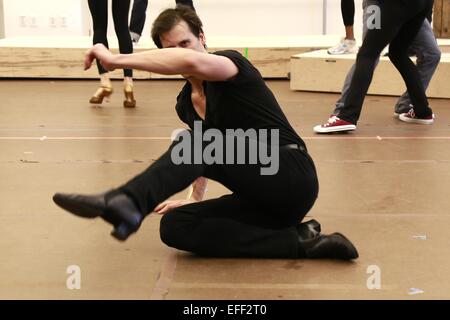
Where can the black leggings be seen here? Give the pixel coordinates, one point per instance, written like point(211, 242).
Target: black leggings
point(99, 12)
point(137, 20)
point(348, 12)
point(401, 20)
point(257, 220)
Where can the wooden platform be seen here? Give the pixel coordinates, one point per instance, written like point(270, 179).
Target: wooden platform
point(318, 71)
point(53, 57)
point(62, 57)
point(444, 44)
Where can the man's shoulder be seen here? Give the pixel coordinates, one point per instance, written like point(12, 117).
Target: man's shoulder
point(246, 68)
point(247, 71)
point(229, 52)
point(233, 55)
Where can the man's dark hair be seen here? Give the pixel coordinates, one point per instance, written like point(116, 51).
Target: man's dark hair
point(171, 17)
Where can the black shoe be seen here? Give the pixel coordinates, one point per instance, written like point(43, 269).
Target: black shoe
point(116, 208)
point(308, 230)
point(333, 246)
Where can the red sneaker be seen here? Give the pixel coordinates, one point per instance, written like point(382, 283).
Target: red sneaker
point(411, 117)
point(335, 124)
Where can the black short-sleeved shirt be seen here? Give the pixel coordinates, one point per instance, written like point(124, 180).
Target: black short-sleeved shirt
point(245, 102)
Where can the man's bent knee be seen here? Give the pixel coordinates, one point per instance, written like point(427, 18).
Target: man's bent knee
point(166, 229)
point(175, 227)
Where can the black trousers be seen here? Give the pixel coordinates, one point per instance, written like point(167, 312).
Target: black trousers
point(258, 219)
point(348, 12)
point(401, 20)
point(138, 15)
point(99, 12)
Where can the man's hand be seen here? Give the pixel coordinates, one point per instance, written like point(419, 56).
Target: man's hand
point(196, 195)
point(168, 205)
point(101, 53)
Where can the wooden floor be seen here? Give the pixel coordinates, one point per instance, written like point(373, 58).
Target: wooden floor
point(384, 186)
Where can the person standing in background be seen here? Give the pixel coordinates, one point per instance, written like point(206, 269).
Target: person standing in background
point(347, 44)
point(424, 46)
point(99, 13)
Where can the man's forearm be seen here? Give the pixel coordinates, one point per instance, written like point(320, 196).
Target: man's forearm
point(198, 189)
point(170, 61)
point(163, 61)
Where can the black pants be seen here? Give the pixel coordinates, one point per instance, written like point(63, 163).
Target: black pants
point(99, 12)
point(401, 20)
point(348, 12)
point(138, 16)
point(257, 220)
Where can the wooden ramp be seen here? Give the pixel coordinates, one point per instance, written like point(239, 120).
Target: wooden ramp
point(62, 57)
point(318, 71)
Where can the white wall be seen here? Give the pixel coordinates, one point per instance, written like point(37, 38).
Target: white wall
point(254, 17)
point(221, 17)
point(263, 17)
point(335, 24)
point(43, 17)
point(2, 24)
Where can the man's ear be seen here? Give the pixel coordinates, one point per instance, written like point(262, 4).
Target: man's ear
point(202, 38)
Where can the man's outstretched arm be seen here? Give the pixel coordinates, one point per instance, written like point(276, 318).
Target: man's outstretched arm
point(168, 61)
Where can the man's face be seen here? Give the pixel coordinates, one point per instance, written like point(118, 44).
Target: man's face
point(180, 36)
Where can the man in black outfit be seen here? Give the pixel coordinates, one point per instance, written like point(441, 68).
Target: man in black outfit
point(262, 217)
